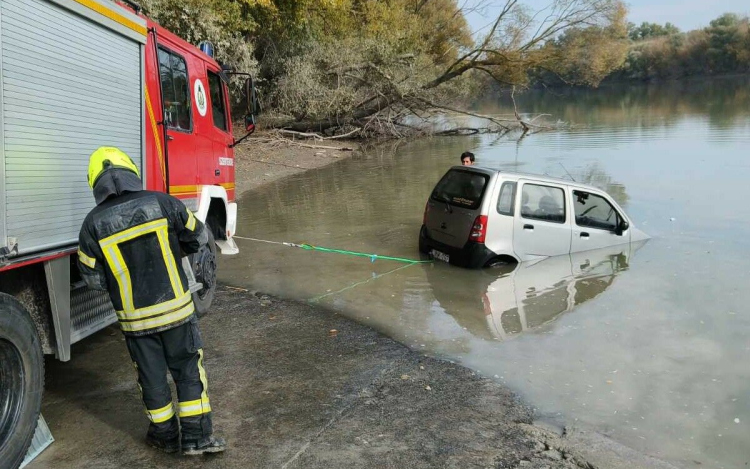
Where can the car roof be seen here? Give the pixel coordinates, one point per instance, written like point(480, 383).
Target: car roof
point(522, 175)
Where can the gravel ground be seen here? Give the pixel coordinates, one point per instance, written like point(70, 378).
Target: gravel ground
point(293, 385)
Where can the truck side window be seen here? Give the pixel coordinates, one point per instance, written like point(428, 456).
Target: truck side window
point(175, 90)
point(507, 198)
point(543, 203)
point(594, 211)
point(217, 101)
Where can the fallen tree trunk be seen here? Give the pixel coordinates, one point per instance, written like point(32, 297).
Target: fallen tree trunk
point(382, 114)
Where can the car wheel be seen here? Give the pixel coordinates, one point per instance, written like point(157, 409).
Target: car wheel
point(204, 267)
point(21, 381)
point(422, 247)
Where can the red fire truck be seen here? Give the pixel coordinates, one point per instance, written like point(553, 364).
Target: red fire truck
point(76, 75)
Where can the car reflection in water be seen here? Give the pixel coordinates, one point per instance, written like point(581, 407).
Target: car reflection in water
point(504, 301)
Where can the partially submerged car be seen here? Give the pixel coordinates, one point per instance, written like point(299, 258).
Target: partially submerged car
point(479, 217)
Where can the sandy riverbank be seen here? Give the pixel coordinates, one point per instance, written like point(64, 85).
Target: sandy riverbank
point(295, 386)
point(259, 162)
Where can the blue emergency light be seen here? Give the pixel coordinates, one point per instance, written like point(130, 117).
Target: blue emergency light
point(207, 48)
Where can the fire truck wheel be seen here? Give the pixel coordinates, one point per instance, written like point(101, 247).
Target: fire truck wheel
point(21, 381)
point(204, 267)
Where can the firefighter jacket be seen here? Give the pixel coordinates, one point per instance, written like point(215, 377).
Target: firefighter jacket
point(130, 245)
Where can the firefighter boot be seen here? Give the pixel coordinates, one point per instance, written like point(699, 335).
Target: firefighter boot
point(204, 446)
point(164, 436)
point(168, 446)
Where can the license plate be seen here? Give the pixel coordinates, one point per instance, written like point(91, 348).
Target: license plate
point(441, 256)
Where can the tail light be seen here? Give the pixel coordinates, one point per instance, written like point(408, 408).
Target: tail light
point(426, 210)
point(479, 229)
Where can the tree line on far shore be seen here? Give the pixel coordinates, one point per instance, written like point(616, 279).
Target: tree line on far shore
point(664, 52)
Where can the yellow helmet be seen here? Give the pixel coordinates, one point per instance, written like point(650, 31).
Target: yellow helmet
point(106, 157)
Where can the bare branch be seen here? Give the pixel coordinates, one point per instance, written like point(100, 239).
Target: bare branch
point(316, 136)
point(515, 110)
point(467, 113)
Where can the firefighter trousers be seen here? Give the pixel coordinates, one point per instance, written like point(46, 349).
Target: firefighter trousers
point(179, 351)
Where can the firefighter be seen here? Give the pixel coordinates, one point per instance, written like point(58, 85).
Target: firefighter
point(131, 245)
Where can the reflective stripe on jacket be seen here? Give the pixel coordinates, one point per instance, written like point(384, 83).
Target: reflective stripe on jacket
point(131, 245)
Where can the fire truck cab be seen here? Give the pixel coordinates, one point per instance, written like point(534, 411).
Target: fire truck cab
point(189, 126)
point(76, 75)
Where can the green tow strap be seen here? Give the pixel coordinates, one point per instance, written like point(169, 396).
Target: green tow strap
point(310, 247)
point(372, 257)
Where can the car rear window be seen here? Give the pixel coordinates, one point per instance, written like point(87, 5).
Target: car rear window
point(461, 188)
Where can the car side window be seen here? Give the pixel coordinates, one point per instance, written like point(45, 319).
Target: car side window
point(544, 203)
point(594, 211)
point(506, 199)
point(218, 110)
point(175, 90)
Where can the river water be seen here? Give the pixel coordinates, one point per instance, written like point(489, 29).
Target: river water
point(648, 344)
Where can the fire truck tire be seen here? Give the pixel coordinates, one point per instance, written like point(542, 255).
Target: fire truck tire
point(21, 381)
point(204, 267)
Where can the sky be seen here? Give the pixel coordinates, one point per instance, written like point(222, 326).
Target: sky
point(685, 14)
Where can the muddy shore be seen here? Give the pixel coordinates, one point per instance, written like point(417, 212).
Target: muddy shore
point(259, 162)
point(296, 386)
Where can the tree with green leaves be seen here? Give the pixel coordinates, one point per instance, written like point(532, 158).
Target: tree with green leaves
point(382, 65)
point(721, 48)
point(651, 30)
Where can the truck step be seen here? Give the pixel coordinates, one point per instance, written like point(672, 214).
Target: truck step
point(90, 311)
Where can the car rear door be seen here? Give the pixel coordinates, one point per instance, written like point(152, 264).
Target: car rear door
point(454, 205)
point(541, 226)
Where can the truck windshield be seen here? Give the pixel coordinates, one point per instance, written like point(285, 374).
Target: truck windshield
point(461, 189)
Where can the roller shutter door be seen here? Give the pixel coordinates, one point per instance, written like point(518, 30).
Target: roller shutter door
point(69, 86)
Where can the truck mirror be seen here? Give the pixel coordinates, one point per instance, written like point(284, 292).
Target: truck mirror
point(251, 109)
point(250, 123)
point(251, 97)
point(622, 227)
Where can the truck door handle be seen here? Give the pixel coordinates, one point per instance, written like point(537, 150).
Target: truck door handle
point(584, 234)
point(528, 227)
point(169, 137)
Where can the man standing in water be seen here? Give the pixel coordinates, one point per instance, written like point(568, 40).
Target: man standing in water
point(130, 245)
point(467, 158)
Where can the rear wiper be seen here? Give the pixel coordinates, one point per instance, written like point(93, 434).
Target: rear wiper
point(447, 203)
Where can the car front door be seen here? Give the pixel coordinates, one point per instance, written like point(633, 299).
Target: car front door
point(541, 227)
point(595, 222)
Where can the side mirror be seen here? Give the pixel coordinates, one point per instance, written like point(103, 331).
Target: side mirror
point(250, 123)
point(252, 107)
point(251, 97)
point(622, 227)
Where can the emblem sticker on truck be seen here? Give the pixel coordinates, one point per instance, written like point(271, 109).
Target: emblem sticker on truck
point(226, 161)
point(200, 97)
